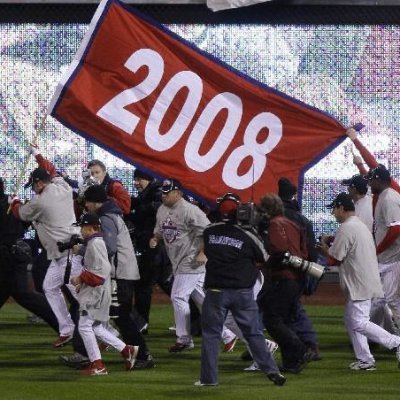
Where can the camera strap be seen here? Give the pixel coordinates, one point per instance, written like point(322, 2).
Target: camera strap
point(67, 274)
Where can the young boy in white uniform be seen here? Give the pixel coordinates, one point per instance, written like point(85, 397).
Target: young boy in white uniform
point(94, 296)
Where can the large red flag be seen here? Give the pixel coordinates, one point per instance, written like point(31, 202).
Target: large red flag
point(153, 99)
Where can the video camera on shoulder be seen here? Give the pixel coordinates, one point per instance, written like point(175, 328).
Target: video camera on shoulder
point(74, 240)
point(247, 215)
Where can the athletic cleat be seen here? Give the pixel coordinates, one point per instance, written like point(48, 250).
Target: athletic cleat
point(252, 367)
point(129, 353)
point(200, 383)
point(95, 368)
point(35, 320)
point(62, 341)
point(145, 364)
point(77, 361)
point(228, 347)
point(277, 378)
point(179, 347)
point(272, 346)
point(362, 366)
point(312, 353)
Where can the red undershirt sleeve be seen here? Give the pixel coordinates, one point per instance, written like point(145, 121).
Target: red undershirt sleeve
point(391, 235)
point(91, 279)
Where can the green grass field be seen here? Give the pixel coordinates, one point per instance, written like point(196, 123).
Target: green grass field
point(30, 368)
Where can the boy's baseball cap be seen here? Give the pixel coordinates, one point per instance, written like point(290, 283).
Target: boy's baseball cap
point(88, 219)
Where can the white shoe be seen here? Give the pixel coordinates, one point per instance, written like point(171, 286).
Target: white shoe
point(362, 366)
point(272, 346)
point(252, 367)
point(199, 383)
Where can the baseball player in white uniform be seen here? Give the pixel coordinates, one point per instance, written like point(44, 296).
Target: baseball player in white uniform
point(180, 225)
point(353, 251)
point(387, 236)
point(52, 214)
point(358, 191)
point(94, 295)
point(357, 187)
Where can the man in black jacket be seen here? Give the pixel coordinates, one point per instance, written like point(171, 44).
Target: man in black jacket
point(143, 218)
point(15, 255)
point(231, 271)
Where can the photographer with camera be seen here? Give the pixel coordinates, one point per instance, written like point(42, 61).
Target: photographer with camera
point(51, 212)
point(15, 255)
point(231, 272)
point(353, 251)
point(301, 322)
point(283, 285)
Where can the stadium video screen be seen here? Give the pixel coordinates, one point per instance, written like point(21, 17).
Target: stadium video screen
point(350, 71)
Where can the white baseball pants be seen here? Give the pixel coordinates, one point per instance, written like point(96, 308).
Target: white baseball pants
point(390, 277)
point(360, 329)
point(187, 286)
point(52, 284)
point(90, 329)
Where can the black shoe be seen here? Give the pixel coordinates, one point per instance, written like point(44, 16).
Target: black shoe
point(312, 353)
point(76, 360)
point(277, 378)
point(145, 364)
point(293, 368)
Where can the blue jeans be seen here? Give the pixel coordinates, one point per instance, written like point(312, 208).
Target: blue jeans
point(245, 312)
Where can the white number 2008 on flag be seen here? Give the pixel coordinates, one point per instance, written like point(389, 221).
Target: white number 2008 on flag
point(115, 113)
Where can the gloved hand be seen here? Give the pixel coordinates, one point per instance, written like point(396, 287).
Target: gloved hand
point(33, 149)
point(351, 133)
point(13, 200)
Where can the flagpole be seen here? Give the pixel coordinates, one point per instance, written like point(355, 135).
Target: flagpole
point(28, 156)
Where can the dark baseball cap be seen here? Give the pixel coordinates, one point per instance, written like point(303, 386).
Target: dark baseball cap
point(379, 172)
point(38, 174)
point(170, 184)
point(140, 174)
point(357, 181)
point(88, 219)
point(342, 199)
point(286, 189)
